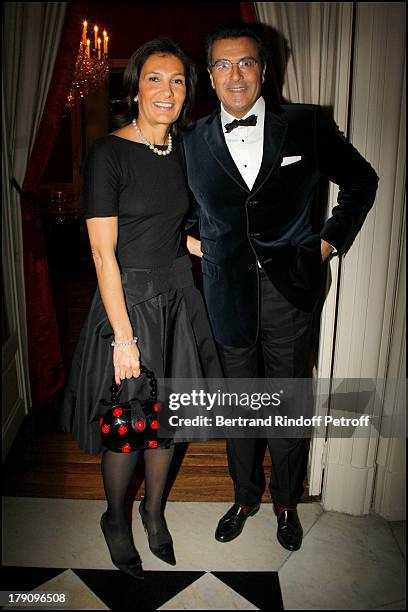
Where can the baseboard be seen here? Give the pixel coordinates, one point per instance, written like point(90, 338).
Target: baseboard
point(11, 427)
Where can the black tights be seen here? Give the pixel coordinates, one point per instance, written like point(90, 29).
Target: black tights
point(117, 470)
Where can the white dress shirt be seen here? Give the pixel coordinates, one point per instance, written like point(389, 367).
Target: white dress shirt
point(245, 143)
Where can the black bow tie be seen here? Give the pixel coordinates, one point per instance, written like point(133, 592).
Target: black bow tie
point(251, 120)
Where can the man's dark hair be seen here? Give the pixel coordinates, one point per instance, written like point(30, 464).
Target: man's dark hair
point(129, 108)
point(235, 29)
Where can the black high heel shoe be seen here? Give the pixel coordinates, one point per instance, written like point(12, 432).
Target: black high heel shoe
point(134, 567)
point(165, 552)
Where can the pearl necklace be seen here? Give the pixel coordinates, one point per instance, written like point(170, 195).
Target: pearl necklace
point(150, 145)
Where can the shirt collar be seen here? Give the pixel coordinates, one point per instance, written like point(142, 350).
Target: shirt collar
point(258, 109)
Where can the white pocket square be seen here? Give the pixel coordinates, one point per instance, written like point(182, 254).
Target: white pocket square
point(290, 160)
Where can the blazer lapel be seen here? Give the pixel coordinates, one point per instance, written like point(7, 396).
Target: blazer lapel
point(215, 140)
point(275, 129)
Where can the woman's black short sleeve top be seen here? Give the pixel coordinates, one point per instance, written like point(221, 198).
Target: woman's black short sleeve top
point(146, 191)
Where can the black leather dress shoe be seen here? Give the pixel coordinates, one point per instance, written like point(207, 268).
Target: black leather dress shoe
point(290, 532)
point(232, 523)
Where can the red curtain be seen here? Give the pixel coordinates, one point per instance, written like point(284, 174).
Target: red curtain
point(44, 349)
point(248, 13)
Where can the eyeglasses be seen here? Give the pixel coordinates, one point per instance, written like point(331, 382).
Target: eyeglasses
point(245, 64)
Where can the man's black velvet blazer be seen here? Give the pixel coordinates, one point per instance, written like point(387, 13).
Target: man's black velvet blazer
point(272, 222)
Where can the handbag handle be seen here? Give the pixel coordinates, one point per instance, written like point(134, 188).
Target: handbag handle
point(116, 389)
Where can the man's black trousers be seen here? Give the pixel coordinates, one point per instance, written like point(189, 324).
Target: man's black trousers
point(284, 347)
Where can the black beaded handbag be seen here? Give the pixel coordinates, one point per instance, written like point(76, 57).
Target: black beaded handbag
point(132, 425)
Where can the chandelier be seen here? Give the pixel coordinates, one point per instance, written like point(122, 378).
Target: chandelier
point(91, 68)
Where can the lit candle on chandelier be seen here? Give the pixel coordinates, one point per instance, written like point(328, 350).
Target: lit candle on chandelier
point(84, 32)
point(99, 48)
point(88, 48)
point(96, 35)
point(106, 44)
point(104, 41)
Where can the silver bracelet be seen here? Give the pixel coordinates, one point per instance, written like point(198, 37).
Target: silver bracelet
point(125, 342)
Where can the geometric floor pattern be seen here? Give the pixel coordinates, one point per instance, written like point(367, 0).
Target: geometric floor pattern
point(345, 562)
point(112, 590)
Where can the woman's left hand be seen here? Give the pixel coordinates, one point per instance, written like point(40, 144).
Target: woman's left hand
point(194, 246)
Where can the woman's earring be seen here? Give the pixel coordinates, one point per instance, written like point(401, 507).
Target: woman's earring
point(135, 99)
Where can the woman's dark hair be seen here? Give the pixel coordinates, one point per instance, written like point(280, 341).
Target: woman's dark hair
point(128, 108)
point(235, 29)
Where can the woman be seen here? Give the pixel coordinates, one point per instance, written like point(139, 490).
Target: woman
point(135, 202)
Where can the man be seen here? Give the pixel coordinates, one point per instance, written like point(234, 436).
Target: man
point(253, 172)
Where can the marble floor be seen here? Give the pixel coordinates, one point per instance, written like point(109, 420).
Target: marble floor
point(345, 563)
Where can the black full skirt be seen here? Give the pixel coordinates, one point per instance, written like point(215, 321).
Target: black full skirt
point(168, 314)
